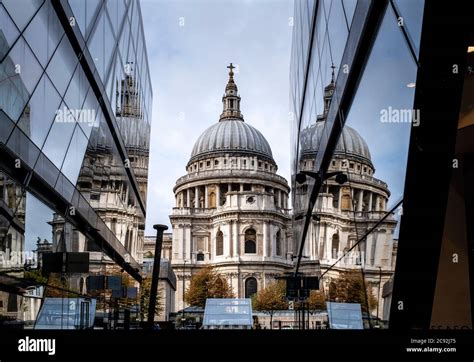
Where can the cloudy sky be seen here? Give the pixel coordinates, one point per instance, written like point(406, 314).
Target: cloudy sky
point(190, 44)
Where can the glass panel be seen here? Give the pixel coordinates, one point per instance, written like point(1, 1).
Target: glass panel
point(65, 187)
point(109, 42)
point(46, 169)
point(125, 39)
point(78, 8)
point(39, 114)
point(44, 33)
point(62, 66)
point(21, 15)
point(13, 91)
point(92, 7)
point(75, 155)
point(8, 32)
point(412, 12)
point(98, 46)
point(59, 136)
point(77, 90)
point(91, 109)
point(65, 313)
point(337, 32)
point(20, 143)
point(349, 8)
point(6, 126)
point(38, 222)
point(26, 66)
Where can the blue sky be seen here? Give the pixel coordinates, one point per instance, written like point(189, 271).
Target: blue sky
point(188, 70)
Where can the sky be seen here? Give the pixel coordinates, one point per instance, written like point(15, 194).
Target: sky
point(190, 44)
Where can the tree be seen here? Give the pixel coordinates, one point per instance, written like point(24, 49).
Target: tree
point(349, 288)
point(317, 300)
point(145, 290)
point(271, 299)
point(207, 283)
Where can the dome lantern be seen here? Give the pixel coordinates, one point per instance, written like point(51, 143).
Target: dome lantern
point(231, 99)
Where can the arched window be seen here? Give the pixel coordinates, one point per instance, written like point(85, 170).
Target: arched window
point(278, 243)
point(250, 242)
point(335, 245)
point(219, 243)
point(250, 287)
point(200, 257)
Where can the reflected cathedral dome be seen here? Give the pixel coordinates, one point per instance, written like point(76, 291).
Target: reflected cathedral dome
point(350, 143)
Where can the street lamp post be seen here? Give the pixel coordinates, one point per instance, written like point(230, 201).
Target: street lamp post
point(184, 286)
point(156, 273)
point(378, 297)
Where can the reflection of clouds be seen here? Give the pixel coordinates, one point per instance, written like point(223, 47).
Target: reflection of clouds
point(189, 76)
point(37, 216)
point(389, 69)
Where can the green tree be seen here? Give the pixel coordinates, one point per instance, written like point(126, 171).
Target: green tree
point(271, 299)
point(207, 283)
point(145, 290)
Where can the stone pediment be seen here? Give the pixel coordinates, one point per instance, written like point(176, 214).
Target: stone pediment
point(200, 230)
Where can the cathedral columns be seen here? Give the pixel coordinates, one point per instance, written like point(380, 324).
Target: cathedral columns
point(218, 195)
point(228, 241)
point(206, 197)
point(360, 200)
point(187, 230)
point(188, 198)
point(235, 248)
point(265, 239)
point(377, 208)
point(370, 201)
point(196, 197)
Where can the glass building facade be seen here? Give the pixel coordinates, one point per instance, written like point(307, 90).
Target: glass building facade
point(341, 90)
point(75, 112)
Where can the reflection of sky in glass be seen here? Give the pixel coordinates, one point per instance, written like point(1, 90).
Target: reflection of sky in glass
point(389, 69)
point(37, 217)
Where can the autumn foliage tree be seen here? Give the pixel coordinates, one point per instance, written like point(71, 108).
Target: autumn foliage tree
point(271, 299)
point(317, 300)
point(207, 283)
point(349, 288)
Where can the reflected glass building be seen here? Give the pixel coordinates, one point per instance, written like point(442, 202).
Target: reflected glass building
point(75, 111)
point(370, 152)
point(374, 113)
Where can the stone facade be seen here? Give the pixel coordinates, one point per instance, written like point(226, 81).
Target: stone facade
point(231, 207)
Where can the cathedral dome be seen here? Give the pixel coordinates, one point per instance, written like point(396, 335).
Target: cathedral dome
point(350, 143)
point(231, 135)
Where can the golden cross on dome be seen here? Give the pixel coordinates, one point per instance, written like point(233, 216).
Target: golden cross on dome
point(231, 67)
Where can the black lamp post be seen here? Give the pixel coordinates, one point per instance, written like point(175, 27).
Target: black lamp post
point(378, 297)
point(184, 286)
point(156, 273)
